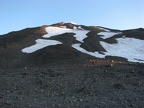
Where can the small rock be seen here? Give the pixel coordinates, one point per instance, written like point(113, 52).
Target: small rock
point(110, 65)
point(141, 73)
point(118, 86)
point(133, 71)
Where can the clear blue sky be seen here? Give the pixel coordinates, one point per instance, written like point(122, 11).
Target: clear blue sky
point(119, 14)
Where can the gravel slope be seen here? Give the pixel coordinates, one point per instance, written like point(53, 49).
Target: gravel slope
point(89, 83)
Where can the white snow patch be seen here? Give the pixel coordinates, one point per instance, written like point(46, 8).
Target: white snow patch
point(40, 43)
point(72, 23)
point(108, 34)
point(129, 48)
point(52, 31)
point(74, 27)
point(95, 54)
point(79, 27)
point(80, 35)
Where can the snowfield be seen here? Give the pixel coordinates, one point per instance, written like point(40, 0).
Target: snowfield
point(40, 43)
point(124, 48)
point(130, 48)
point(79, 34)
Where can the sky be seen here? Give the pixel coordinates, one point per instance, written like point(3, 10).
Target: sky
point(117, 14)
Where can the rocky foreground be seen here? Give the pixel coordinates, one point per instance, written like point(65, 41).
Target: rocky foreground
point(89, 83)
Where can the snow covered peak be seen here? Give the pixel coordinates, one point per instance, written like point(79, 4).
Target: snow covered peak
point(71, 23)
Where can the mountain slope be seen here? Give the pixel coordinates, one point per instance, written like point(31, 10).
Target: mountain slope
point(97, 41)
point(70, 40)
point(66, 65)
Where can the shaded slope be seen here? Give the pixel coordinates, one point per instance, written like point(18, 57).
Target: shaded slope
point(92, 42)
point(135, 33)
point(12, 43)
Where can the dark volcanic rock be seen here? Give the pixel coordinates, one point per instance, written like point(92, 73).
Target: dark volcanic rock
point(52, 53)
point(135, 33)
point(22, 38)
point(112, 40)
point(12, 43)
point(116, 58)
point(92, 42)
point(118, 86)
point(66, 38)
point(92, 28)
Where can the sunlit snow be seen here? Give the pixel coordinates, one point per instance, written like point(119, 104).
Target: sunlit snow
point(40, 43)
point(129, 48)
point(79, 34)
point(79, 27)
point(52, 31)
point(71, 23)
point(95, 54)
point(75, 27)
